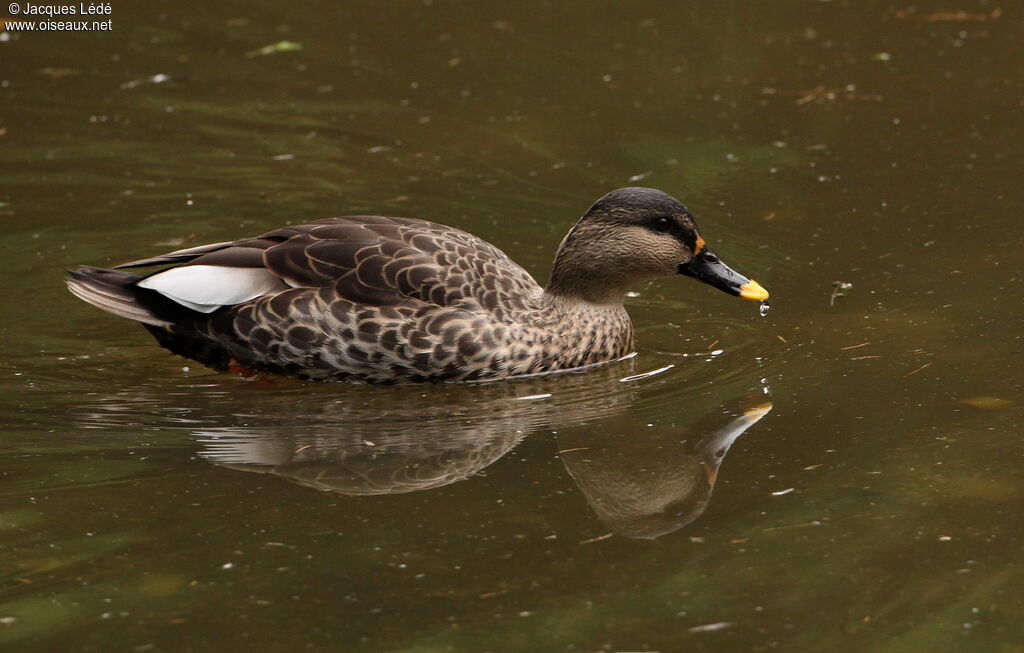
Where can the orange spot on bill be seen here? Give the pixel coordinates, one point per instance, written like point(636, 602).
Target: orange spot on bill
point(711, 473)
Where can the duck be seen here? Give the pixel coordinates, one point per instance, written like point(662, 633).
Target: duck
point(384, 300)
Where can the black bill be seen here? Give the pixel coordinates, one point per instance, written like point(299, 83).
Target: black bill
point(707, 268)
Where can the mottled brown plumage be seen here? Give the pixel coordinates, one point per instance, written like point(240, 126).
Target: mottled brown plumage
point(382, 300)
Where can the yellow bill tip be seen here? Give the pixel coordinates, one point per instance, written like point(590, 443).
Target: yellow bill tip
point(753, 290)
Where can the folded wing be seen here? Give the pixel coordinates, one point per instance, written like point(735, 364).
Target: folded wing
point(367, 260)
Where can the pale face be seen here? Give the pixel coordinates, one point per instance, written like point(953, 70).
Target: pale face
point(633, 235)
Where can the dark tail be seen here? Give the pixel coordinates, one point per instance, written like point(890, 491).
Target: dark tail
point(113, 291)
point(171, 324)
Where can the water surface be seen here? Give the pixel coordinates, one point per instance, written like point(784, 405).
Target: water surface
point(149, 504)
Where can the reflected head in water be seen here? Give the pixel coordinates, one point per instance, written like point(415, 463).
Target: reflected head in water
point(647, 482)
point(385, 300)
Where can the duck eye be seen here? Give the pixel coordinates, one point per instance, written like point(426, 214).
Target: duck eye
point(662, 224)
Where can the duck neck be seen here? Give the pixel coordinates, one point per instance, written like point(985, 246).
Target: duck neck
point(572, 290)
point(585, 296)
point(586, 332)
point(578, 278)
point(573, 303)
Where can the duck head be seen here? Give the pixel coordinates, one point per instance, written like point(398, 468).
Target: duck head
point(637, 234)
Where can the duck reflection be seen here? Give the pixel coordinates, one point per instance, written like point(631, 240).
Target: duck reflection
point(647, 482)
point(406, 440)
point(642, 481)
point(348, 464)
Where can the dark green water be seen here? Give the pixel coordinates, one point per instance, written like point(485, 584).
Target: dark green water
point(148, 504)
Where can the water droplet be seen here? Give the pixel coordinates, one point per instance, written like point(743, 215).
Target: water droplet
point(764, 307)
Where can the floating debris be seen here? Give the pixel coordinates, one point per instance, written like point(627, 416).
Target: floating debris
point(57, 73)
point(786, 527)
point(710, 628)
point(948, 16)
point(912, 373)
point(764, 308)
point(531, 397)
point(273, 48)
point(642, 175)
point(491, 595)
point(824, 94)
point(987, 403)
point(159, 78)
point(782, 493)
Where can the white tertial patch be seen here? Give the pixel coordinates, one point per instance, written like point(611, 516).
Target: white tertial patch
point(205, 288)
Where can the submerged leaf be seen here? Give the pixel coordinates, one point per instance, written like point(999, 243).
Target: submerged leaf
point(987, 403)
point(274, 48)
